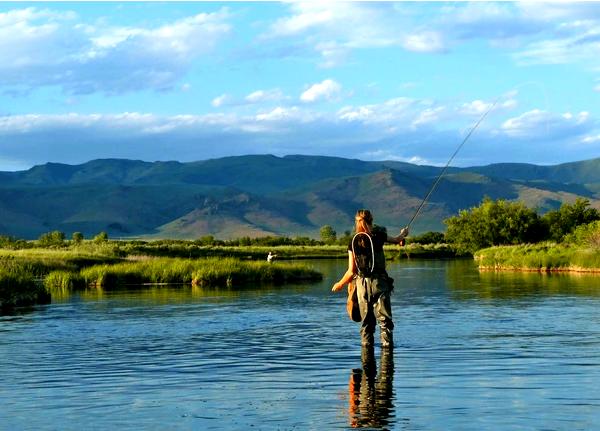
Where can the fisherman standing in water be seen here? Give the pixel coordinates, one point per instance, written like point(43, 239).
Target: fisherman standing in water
point(366, 268)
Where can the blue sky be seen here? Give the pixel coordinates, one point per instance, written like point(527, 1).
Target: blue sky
point(397, 81)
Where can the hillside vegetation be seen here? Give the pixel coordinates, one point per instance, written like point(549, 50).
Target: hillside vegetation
point(265, 195)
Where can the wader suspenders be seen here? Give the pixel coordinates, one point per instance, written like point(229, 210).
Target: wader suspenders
point(359, 260)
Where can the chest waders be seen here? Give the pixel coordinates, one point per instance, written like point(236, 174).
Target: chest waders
point(373, 288)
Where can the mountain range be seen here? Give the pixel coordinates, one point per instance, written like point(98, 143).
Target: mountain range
point(261, 195)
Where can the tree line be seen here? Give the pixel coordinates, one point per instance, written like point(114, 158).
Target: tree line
point(493, 222)
point(502, 222)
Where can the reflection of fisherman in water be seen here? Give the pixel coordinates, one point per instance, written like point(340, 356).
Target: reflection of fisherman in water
point(371, 395)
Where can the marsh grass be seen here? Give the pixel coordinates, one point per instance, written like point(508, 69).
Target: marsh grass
point(39, 262)
point(63, 281)
point(540, 257)
point(200, 272)
point(420, 251)
point(19, 287)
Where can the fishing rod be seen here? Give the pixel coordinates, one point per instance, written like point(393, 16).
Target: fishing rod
point(450, 161)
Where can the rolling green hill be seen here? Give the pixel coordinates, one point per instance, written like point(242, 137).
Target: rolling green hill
point(266, 195)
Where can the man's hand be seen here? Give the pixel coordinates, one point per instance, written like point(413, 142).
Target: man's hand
point(404, 232)
point(337, 287)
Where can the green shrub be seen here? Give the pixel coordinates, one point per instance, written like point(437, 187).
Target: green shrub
point(568, 217)
point(587, 235)
point(493, 223)
point(52, 239)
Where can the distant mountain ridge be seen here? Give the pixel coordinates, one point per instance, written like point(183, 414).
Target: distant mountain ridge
point(259, 195)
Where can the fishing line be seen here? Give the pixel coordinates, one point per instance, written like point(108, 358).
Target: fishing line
point(450, 161)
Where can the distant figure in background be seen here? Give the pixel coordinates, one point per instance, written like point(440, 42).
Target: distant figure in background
point(270, 257)
point(366, 268)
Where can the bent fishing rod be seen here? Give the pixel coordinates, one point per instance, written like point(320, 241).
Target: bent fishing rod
point(450, 161)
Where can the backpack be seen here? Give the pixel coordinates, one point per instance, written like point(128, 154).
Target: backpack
point(364, 253)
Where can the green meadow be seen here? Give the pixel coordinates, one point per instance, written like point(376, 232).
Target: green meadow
point(547, 257)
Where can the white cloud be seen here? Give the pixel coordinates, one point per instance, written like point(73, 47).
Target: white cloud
point(537, 124)
point(334, 29)
point(277, 114)
point(257, 97)
point(325, 90)
point(597, 88)
point(429, 41)
point(381, 154)
point(476, 107)
point(46, 48)
point(479, 107)
point(261, 96)
point(307, 16)
point(221, 100)
point(545, 52)
point(405, 129)
point(550, 33)
point(591, 139)
point(332, 54)
point(493, 21)
point(399, 109)
point(559, 11)
point(428, 116)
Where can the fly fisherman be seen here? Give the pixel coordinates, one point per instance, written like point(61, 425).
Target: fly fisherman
point(366, 268)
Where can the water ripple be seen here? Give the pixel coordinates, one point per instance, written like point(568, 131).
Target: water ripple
point(289, 359)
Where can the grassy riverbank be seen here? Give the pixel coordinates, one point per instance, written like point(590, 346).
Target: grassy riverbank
point(202, 272)
point(40, 261)
point(18, 287)
point(545, 257)
point(32, 282)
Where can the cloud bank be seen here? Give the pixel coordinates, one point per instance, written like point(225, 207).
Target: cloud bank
point(39, 47)
point(399, 129)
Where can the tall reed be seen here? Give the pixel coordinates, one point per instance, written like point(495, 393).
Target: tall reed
point(19, 287)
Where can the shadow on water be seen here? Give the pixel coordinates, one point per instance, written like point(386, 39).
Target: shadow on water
point(371, 394)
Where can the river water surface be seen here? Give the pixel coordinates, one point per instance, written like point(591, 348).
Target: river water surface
point(474, 351)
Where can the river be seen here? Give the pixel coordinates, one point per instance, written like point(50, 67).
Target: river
point(473, 351)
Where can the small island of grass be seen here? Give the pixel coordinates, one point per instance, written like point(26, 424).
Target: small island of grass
point(31, 276)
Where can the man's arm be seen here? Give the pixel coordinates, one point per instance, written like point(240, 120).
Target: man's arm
point(348, 275)
point(400, 238)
